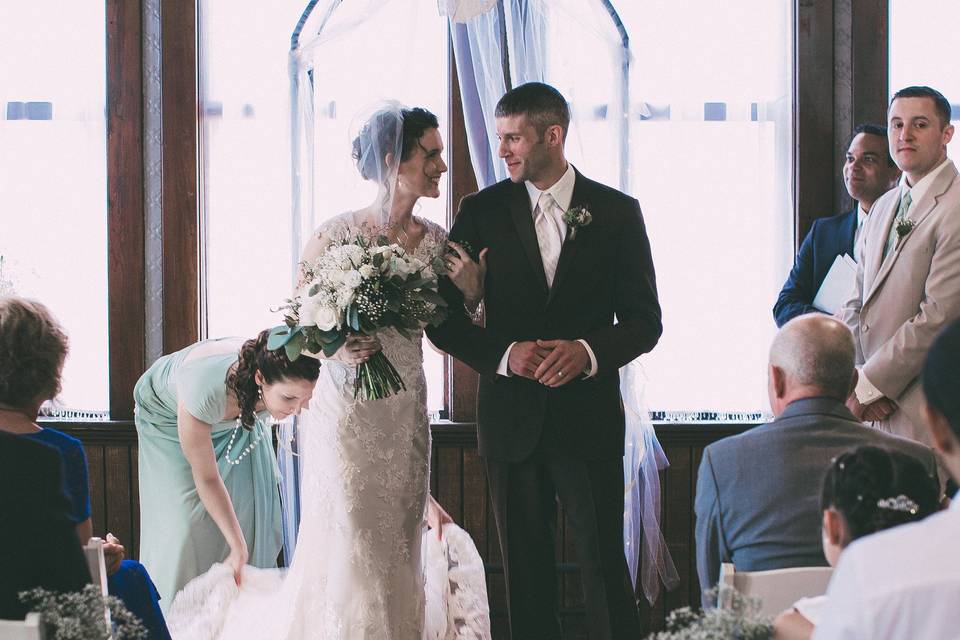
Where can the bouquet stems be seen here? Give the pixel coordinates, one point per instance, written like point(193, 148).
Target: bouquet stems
point(377, 379)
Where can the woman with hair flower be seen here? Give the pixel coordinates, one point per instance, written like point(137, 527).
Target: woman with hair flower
point(865, 491)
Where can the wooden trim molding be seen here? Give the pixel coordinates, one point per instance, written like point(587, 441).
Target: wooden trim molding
point(181, 221)
point(125, 240)
point(813, 105)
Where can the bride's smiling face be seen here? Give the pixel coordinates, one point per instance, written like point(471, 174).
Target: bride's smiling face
point(419, 175)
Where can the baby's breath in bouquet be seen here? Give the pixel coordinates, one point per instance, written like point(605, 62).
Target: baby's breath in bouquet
point(737, 619)
point(360, 286)
point(81, 615)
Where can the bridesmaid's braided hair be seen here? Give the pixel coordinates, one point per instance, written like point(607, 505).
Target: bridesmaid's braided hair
point(859, 482)
point(272, 365)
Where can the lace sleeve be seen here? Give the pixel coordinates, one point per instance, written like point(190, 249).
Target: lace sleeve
point(334, 230)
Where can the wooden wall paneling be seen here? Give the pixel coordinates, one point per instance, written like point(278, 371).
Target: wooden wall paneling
point(119, 514)
point(458, 481)
point(181, 222)
point(133, 550)
point(450, 490)
point(97, 480)
point(677, 495)
point(696, 456)
point(475, 498)
point(125, 238)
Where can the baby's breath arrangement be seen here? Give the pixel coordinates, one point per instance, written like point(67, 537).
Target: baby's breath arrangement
point(738, 619)
point(360, 285)
point(79, 615)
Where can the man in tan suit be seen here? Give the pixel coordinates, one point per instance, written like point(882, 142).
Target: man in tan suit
point(908, 284)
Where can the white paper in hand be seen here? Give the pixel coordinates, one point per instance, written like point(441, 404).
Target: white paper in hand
point(837, 286)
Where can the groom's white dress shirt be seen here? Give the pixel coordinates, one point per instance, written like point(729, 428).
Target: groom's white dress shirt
point(900, 583)
point(865, 391)
point(548, 207)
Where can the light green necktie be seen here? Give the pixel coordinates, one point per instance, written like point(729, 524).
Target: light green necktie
point(902, 212)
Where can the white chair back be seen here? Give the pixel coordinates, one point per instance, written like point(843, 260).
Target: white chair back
point(778, 589)
point(93, 551)
point(29, 629)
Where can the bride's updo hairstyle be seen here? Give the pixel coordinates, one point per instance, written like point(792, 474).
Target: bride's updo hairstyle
point(380, 135)
point(273, 365)
point(33, 347)
point(875, 489)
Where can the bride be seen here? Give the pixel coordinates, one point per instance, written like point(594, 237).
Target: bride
point(358, 570)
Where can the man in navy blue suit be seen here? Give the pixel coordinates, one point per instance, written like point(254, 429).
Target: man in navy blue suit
point(868, 173)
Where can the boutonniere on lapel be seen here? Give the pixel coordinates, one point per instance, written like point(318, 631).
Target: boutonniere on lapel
point(576, 217)
point(904, 227)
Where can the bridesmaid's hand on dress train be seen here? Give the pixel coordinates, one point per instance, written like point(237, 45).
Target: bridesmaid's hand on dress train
point(236, 560)
point(437, 517)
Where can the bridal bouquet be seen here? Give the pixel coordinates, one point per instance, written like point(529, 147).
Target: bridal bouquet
point(360, 286)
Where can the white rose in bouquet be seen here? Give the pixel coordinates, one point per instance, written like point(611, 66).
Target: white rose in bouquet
point(326, 318)
point(352, 279)
point(368, 271)
point(400, 267)
point(308, 311)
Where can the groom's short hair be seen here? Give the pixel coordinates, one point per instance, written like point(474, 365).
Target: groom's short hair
point(541, 103)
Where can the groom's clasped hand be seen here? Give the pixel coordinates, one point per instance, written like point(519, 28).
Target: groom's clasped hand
point(553, 363)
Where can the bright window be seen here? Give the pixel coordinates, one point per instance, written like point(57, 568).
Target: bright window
point(251, 240)
point(53, 180)
point(711, 145)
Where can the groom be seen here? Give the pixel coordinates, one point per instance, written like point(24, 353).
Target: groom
point(567, 304)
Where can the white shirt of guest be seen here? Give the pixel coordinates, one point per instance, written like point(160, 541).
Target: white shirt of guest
point(562, 192)
point(865, 391)
point(900, 583)
point(858, 234)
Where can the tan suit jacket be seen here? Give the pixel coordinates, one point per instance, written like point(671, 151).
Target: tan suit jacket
point(901, 303)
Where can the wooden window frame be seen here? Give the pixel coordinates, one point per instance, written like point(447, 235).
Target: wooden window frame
point(125, 207)
point(840, 79)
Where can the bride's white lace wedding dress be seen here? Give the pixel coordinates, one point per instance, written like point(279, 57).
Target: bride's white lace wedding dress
point(358, 570)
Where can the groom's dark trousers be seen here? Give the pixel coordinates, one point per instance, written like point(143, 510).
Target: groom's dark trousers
point(543, 444)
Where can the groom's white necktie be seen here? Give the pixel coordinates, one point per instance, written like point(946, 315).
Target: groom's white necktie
point(546, 223)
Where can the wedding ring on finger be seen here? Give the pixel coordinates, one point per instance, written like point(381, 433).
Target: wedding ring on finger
point(559, 374)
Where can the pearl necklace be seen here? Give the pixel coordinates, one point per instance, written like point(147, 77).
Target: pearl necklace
point(247, 449)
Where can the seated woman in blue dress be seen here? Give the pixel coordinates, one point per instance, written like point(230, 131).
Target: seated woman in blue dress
point(33, 347)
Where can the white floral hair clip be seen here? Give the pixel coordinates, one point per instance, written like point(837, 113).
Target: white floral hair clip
point(900, 503)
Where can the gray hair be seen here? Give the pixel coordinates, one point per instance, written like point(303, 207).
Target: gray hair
point(817, 351)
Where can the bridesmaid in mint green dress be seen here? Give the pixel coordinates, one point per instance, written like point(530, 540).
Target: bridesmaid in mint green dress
point(208, 481)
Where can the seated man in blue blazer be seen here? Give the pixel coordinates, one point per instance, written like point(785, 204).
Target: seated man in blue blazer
point(868, 173)
point(758, 493)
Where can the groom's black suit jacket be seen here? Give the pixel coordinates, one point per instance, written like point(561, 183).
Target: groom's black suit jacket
point(604, 291)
